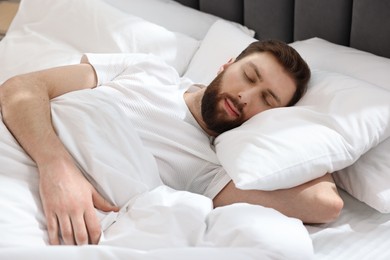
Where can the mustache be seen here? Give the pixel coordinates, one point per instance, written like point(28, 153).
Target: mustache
point(235, 101)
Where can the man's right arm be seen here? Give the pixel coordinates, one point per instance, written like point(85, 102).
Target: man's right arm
point(68, 199)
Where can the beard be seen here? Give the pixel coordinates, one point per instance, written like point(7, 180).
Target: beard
point(215, 119)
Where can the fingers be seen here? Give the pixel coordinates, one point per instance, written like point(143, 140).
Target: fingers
point(93, 226)
point(102, 204)
point(92, 221)
point(73, 219)
point(61, 225)
point(79, 230)
point(74, 229)
point(66, 230)
point(69, 201)
point(52, 228)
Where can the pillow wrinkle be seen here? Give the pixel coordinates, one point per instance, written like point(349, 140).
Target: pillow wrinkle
point(339, 119)
point(368, 178)
point(58, 37)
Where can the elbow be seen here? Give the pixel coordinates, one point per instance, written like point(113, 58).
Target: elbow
point(13, 93)
point(6, 91)
point(329, 208)
point(334, 210)
point(10, 86)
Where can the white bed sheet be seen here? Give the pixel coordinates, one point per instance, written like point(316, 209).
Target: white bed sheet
point(155, 220)
point(99, 252)
point(359, 233)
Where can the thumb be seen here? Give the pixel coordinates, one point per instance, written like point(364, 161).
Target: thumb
point(102, 204)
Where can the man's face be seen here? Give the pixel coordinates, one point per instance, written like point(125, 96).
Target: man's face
point(245, 88)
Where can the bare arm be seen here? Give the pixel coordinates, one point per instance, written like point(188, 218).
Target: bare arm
point(314, 202)
point(25, 106)
point(67, 197)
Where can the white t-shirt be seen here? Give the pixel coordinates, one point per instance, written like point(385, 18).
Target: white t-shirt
point(155, 104)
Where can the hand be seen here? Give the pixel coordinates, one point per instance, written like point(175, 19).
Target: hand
point(69, 203)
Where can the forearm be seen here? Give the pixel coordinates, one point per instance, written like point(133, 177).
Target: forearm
point(313, 202)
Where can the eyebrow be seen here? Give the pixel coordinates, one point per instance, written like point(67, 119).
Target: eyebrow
point(254, 67)
point(269, 91)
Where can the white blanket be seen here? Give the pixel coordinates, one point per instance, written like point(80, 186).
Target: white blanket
point(154, 219)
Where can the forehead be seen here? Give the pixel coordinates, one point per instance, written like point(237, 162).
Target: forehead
point(264, 61)
point(273, 74)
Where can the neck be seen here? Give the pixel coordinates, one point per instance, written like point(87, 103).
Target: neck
point(194, 104)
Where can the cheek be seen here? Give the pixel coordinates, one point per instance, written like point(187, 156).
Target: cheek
point(229, 84)
point(249, 113)
point(254, 110)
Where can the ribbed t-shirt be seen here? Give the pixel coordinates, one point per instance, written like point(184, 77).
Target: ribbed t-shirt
point(153, 98)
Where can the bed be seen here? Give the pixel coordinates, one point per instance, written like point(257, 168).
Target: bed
point(342, 125)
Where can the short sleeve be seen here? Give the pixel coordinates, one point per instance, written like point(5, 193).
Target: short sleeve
point(108, 66)
point(220, 180)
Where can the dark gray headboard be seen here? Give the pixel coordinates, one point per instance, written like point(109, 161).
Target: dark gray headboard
point(362, 24)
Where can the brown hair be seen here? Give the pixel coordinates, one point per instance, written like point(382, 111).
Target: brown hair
point(289, 58)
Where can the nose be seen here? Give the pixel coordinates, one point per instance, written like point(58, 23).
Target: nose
point(248, 96)
point(242, 100)
point(250, 100)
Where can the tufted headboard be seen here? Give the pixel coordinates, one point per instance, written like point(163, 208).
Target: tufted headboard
point(361, 24)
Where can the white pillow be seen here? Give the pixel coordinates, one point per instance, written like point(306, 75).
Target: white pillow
point(369, 178)
point(173, 16)
point(324, 55)
point(222, 42)
point(48, 33)
point(339, 119)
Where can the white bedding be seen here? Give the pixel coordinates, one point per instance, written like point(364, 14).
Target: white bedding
point(153, 217)
point(155, 222)
point(359, 233)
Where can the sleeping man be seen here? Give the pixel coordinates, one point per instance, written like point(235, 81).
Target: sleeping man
point(176, 121)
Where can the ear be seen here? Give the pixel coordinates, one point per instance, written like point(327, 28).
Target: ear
point(224, 66)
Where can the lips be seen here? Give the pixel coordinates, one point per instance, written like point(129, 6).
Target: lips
point(231, 108)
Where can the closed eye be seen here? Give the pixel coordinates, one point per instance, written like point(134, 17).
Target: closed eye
point(265, 96)
point(249, 79)
point(271, 99)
